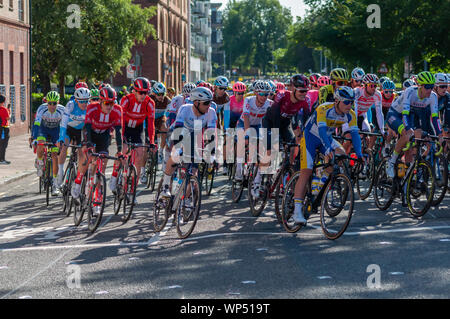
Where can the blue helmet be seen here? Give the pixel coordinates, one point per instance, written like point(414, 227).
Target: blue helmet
point(159, 88)
point(388, 85)
point(273, 87)
point(344, 93)
point(358, 74)
point(221, 81)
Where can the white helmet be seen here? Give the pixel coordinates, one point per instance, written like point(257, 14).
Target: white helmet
point(188, 87)
point(358, 74)
point(441, 78)
point(221, 81)
point(201, 94)
point(82, 94)
point(159, 88)
point(261, 86)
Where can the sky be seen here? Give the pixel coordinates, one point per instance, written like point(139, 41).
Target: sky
point(298, 8)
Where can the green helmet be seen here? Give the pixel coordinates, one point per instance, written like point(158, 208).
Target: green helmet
point(52, 96)
point(425, 77)
point(95, 93)
point(339, 74)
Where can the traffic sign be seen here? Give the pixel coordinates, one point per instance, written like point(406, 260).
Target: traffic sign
point(131, 68)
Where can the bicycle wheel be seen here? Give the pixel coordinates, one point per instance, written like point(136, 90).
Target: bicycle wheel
point(440, 170)
point(48, 181)
point(339, 193)
point(420, 189)
point(97, 199)
point(129, 193)
point(118, 196)
point(211, 172)
point(279, 190)
point(237, 187)
point(161, 209)
point(41, 184)
point(383, 186)
point(288, 205)
point(258, 203)
point(188, 210)
point(364, 180)
point(69, 178)
point(80, 204)
point(154, 170)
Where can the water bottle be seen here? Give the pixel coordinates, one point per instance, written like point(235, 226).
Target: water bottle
point(3, 134)
point(315, 185)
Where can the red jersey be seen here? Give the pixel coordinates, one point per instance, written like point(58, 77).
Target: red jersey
point(387, 103)
point(4, 117)
point(289, 109)
point(134, 113)
point(101, 122)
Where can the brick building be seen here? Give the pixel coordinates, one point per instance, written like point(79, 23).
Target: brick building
point(165, 59)
point(15, 62)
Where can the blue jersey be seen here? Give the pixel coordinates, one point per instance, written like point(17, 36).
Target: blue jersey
point(47, 119)
point(73, 116)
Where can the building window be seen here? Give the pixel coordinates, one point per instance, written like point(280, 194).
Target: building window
point(21, 11)
point(21, 69)
point(11, 67)
point(2, 81)
point(11, 5)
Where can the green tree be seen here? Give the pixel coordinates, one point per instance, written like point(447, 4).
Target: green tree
point(98, 49)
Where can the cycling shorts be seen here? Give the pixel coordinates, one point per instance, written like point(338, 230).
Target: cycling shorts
point(308, 146)
point(75, 136)
point(395, 122)
point(134, 134)
point(50, 134)
point(101, 141)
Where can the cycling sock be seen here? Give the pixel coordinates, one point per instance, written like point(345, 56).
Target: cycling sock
point(79, 178)
point(299, 203)
point(60, 168)
point(394, 157)
point(166, 180)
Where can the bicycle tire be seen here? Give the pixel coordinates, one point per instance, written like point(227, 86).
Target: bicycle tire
point(279, 192)
point(93, 223)
point(328, 233)
point(161, 205)
point(80, 208)
point(66, 189)
point(192, 215)
point(422, 164)
point(154, 170)
point(130, 193)
point(118, 195)
point(288, 205)
point(48, 186)
point(370, 174)
point(211, 182)
point(257, 205)
point(442, 183)
point(237, 187)
point(382, 184)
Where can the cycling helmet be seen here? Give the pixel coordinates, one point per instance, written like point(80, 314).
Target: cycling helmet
point(82, 94)
point(142, 84)
point(344, 93)
point(80, 85)
point(383, 79)
point(95, 93)
point(261, 86)
point(300, 81)
point(52, 96)
point(103, 85)
point(425, 77)
point(273, 87)
point(324, 80)
point(358, 74)
point(206, 85)
point(388, 85)
point(239, 87)
point(198, 82)
point(414, 78)
point(408, 83)
point(108, 94)
point(159, 88)
point(339, 74)
point(441, 78)
point(280, 86)
point(188, 87)
point(201, 94)
point(221, 81)
point(370, 78)
point(313, 78)
point(171, 90)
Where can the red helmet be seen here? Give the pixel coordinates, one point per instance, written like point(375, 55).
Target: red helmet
point(108, 94)
point(281, 86)
point(81, 85)
point(205, 85)
point(142, 84)
point(299, 81)
point(103, 85)
point(313, 78)
point(239, 87)
point(323, 80)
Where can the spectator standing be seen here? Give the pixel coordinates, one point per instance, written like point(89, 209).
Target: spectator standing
point(5, 114)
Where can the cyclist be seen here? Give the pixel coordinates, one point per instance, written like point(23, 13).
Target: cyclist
point(187, 118)
point(233, 111)
point(318, 135)
point(357, 77)
point(100, 119)
point(419, 104)
point(71, 127)
point(171, 92)
point(313, 78)
point(46, 128)
point(443, 101)
point(338, 77)
point(137, 108)
point(280, 87)
point(255, 107)
point(95, 96)
point(178, 101)
point(388, 96)
point(221, 97)
point(273, 90)
point(313, 93)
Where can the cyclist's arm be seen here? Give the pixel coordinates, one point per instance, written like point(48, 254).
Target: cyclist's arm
point(118, 130)
point(37, 121)
point(64, 122)
point(151, 123)
point(406, 109)
point(380, 116)
point(354, 131)
point(435, 116)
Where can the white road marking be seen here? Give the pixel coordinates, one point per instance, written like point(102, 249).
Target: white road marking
point(248, 282)
point(396, 273)
point(103, 292)
point(173, 287)
point(324, 277)
point(25, 297)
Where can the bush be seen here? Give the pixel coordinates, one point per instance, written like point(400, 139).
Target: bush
point(37, 100)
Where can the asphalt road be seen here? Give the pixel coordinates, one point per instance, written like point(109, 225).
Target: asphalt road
point(229, 255)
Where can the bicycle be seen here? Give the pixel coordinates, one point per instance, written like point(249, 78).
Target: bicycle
point(93, 193)
point(186, 186)
point(127, 182)
point(418, 180)
point(151, 166)
point(336, 193)
point(46, 180)
point(207, 172)
point(69, 177)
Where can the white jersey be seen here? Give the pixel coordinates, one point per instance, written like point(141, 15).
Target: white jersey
point(364, 102)
point(253, 112)
point(187, 119)
point(412, 102)
point(177, 102)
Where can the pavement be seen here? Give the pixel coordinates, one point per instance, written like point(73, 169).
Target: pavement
point(21, 157)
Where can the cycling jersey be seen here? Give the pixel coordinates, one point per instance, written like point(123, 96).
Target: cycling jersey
point(364, 102)
point(326, 94)
point(221, 101)
point(187, 119)
point(416, 112)
point(386, 103)
point(444, 109)
point(233, 112)
point(314, 98)
point(134, 114)
point(174, 106)
point(160, 107)
point(253, 112)
point(45, 120)
point(288, 108)
point(73, 117)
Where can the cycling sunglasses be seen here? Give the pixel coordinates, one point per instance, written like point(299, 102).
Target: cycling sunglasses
point(52, 103)
point(83, 101)
point(302, 90)
point(160, 94)
point(239, 93)
point(443, 86)
point(388, 92)
point(428, 86)
point(141, 92)
point(263, 94)
point(341, 83)
point(206, 102)
point(222, 89)
point(109, 103)
point(95, 99)
point(347, 102)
